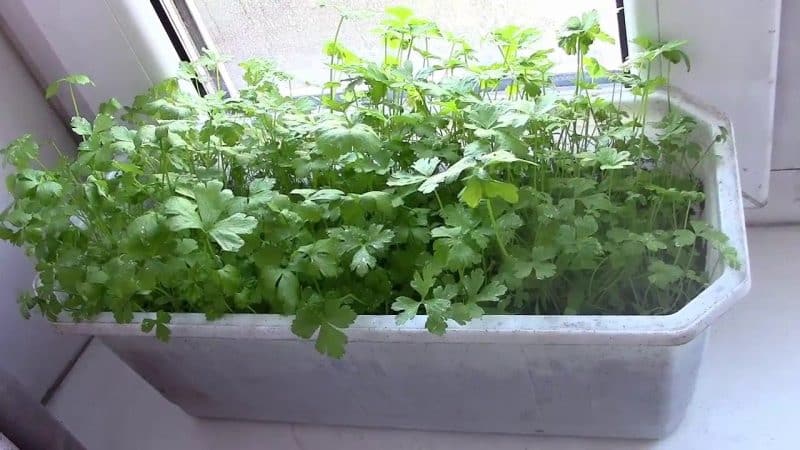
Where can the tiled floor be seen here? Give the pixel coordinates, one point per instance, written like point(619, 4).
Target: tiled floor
point(748, 394)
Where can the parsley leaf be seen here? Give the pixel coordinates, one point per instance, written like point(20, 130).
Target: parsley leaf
point(329, 317)
point(366, 244)
point(407, 307)
point(210, 202)
point(227, 232)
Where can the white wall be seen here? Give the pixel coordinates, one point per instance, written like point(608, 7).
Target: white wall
point(29, 350)
point(783, 205)
point(733, 46)
point(786, 154)
point(120, 44)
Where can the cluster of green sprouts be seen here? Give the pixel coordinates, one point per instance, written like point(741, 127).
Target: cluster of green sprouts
point(422, 184)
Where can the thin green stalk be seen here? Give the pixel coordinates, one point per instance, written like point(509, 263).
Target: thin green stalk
point(611, 284)
point(586, 131)
point(654, 213)
point(647, 293)
point(400, 49)
point(690, 260)
point(702, 156)
point(635, 293)
point(496, 229)
point(503, 54)
point(644, 108)
point(74, 102)
point(688, 264)
point(439, 201)
point(573, 144)
point(578, 73)
point(674, 217)
point(645, 98)
point(669, 100)
point(613, 91)
point(591, 108)
point(332, 60)
point(686, 216)
point(594, 272)
point(58, 150)
point(449, 57)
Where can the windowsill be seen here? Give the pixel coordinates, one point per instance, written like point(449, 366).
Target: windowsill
point(746, 397)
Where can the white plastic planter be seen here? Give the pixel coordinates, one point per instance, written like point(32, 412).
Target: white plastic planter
point(621, 376)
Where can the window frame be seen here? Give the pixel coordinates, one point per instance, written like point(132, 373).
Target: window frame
point(184, 22)
point(189, 36)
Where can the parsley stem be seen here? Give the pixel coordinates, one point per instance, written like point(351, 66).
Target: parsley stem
point(333, 53)
point(400, 49)
point(578, 72)
point(645, 97)
point(686, 216)
point(496, 229)
point(654, 213)
point(439, 201)
point(74, 101)
point(669, 100)
point(691, 251)
point(674, 216)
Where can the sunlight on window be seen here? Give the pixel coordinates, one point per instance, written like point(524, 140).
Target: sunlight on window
point(293, 32)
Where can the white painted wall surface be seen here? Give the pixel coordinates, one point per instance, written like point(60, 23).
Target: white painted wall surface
point(30, 350)
point(784, 193)
point(734, 45)
point(786, 151)
point(120, 44)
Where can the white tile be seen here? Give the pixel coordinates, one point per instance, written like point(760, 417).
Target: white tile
point(747, 394)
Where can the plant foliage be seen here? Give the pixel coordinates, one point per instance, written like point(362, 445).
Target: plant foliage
point(422, 184)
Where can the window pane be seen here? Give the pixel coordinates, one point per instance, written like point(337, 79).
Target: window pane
point(293, 32)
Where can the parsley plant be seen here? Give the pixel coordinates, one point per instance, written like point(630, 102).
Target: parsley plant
point(424, 183)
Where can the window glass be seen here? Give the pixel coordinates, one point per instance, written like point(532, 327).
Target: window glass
point(293, 32)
